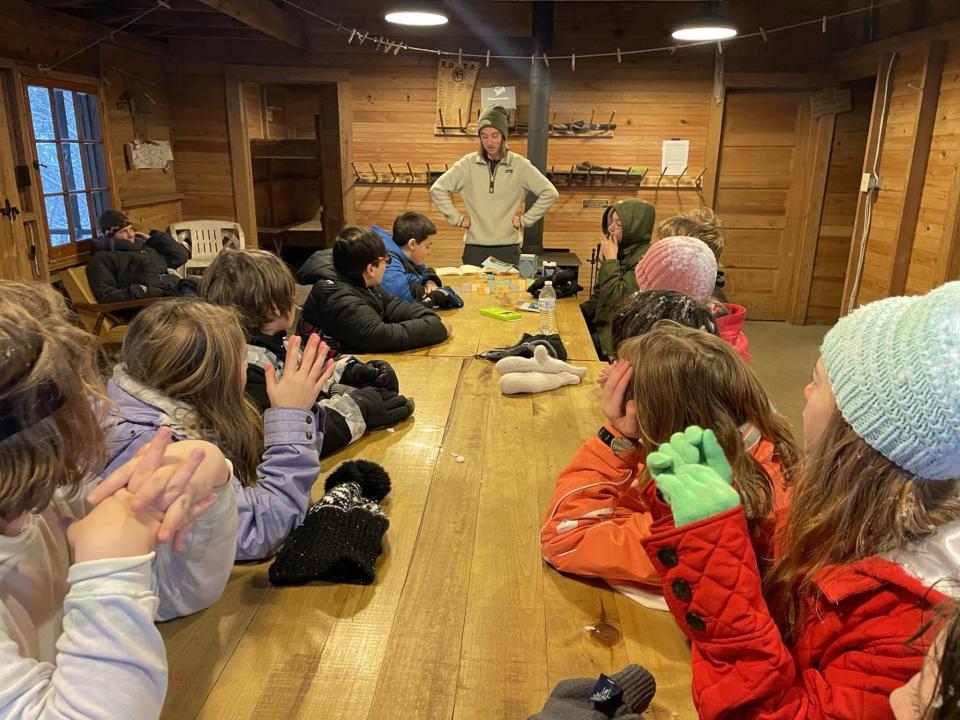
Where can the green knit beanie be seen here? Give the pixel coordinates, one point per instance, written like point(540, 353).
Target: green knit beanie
point(496, 117)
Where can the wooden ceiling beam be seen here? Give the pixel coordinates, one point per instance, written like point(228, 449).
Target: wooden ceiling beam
point(264, 16)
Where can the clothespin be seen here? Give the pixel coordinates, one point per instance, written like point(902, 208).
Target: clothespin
point(823, 26)
point(353, 34)
point(459, 56)
point(533, 58)
point(619, 57)
point(488, 58)
point(398, 48)
point(763, 34)
point(546, 60)
point(364, 37)
point(573, 62)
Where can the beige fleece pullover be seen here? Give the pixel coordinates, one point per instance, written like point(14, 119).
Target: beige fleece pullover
point(492, 196)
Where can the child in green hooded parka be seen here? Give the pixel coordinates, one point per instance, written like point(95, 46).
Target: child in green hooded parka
point(627, 226)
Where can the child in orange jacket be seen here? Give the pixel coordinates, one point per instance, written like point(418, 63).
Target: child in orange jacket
point(601, 506)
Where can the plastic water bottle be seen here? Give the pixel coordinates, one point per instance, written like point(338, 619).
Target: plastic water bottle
point(548, 309)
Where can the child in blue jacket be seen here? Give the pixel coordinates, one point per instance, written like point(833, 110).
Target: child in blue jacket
point(407, 275)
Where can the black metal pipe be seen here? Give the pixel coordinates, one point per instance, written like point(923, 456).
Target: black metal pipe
point(537, 132)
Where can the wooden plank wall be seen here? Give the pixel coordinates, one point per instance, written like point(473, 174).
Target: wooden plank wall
point(200, 146)
point(840, 206)
point(931, 243)
point(935, 238)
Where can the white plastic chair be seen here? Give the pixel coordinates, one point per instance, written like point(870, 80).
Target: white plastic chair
point(205, 239)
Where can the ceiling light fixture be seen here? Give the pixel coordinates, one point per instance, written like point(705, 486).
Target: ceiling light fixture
point(419, 16)
point(710, 25)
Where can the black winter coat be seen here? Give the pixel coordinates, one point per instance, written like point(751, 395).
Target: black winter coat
point(124, 271)
point(362, 319)
point(336, 432)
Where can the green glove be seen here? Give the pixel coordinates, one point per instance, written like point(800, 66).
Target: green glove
point(696, 492)
point(694, 446)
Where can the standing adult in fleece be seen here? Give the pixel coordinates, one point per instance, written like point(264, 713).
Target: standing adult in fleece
point(870, 545)
point(626, 226)
point(492, 183)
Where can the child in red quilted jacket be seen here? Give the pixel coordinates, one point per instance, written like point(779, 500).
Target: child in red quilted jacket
point(602, 503)
point(869, 546)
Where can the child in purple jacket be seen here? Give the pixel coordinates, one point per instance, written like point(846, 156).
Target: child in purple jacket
point(183, 365)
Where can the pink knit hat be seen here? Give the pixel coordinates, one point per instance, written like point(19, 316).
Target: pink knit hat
point(683, 264)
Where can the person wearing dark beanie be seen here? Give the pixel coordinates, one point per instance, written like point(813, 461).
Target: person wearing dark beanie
point(492, 183)
point(128, 265)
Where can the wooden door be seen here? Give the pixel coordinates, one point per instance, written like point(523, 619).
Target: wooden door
point(760, 184)
point(15, 250)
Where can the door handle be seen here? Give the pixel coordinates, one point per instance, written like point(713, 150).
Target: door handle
point(9, 211)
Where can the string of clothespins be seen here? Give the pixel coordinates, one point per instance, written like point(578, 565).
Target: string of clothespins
point(387, 45)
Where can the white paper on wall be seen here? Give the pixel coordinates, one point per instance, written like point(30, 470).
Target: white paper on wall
point(149, 154)
point(674, 156)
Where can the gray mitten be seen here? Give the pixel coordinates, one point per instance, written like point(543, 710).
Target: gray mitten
point(628, 696)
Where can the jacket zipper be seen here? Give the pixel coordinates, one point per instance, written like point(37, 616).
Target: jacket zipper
point(492, 169)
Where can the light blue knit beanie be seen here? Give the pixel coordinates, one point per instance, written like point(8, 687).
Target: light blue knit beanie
point(894, 367)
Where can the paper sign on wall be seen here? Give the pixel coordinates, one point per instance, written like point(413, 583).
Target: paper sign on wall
point(504, 96)
point(829, 102)
point(149, 154)
point(674, 156)
point(456, 82)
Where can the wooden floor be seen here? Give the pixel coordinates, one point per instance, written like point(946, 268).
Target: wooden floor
point(464, 620)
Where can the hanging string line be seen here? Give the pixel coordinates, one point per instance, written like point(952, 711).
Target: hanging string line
point(354, 32)
point(108, 36)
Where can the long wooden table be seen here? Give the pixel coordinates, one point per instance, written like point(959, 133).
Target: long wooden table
point(464, 620)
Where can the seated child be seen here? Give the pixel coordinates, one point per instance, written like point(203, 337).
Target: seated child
point(646, 308)
point(407, 275)
point(358, 397)
point(127, 265)
point(183, 365)
point(687, 265)
point(626, 226)
point(602, 505)
point(933, 693)
point(350, 310)
point(80, 590)
point(704, 225)
point(867, 549)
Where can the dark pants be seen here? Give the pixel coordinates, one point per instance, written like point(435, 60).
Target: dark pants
point(476, 254)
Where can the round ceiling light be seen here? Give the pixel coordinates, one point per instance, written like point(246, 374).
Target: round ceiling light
point(705, 30)
point(416, 17)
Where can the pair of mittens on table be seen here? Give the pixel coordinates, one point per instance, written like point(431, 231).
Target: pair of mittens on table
point(537, 374)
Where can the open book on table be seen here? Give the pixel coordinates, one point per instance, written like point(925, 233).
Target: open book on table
point(491, 264)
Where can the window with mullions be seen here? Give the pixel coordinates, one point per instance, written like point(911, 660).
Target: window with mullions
point(73, 172)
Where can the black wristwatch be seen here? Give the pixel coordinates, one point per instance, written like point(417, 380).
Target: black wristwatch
point(617, 443)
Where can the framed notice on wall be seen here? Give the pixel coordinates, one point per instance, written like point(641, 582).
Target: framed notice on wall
point(456, 82)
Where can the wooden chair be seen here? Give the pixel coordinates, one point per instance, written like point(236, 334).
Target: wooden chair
point(98, 318)
point(205, 238)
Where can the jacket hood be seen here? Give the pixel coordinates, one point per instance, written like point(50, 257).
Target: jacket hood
point(934, 559)
point(731, 325)
point(637, 218)
point(318, 266)
point(398, 254)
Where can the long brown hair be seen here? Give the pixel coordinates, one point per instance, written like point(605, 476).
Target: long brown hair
point(195, 352)
point(850, 503)
point(52, 399)
point(682, 377)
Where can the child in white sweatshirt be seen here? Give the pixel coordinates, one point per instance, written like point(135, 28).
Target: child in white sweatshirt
point(77, 634)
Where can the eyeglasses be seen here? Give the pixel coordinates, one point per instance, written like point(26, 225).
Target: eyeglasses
point(387, 259)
